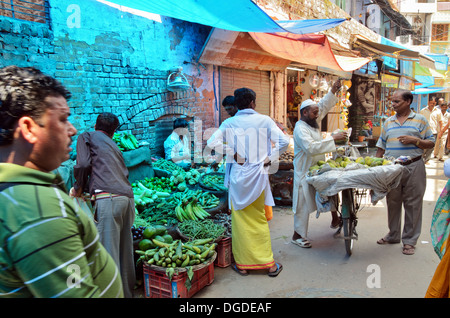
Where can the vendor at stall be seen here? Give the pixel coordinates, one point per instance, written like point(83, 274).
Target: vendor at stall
point(309, 147)
point(405, 134)
point(177, 146)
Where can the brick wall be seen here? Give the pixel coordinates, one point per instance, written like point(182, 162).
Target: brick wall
point(119, 64)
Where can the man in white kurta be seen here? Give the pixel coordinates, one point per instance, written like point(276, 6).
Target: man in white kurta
point(249, 135)
point(441, 140)
point(247, 141)
point(432, 121)
point(309, 147)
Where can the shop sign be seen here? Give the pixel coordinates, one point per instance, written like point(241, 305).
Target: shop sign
point(389, 80)
point(406, 83)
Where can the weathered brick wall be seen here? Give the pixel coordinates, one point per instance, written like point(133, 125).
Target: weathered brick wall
point(117, 64)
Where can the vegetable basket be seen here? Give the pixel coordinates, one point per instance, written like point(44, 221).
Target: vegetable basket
point(159, 285)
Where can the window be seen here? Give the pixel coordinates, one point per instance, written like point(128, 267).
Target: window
point(439, 32)
point(34, 10)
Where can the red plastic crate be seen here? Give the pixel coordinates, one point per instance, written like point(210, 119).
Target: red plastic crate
point(158, 285)
point(224, 253)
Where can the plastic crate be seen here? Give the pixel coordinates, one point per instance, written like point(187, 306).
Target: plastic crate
point(158, 285)
point(224, 253)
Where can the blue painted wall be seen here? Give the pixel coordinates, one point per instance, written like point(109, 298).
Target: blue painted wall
point(115, 61)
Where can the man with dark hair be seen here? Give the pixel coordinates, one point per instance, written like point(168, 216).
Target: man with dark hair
point(100, 170)
point(230, 107)
point(177, 147)
point(247, 140)
point(405, 134)
point(50, 247)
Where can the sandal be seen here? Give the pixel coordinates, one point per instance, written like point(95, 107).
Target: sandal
point(237, 270)
point(302, 242)
point(275, 273)
point(383, 241)
point(408, 249)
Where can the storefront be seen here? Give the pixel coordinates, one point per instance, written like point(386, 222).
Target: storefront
point(259, 81)
point(308, 83)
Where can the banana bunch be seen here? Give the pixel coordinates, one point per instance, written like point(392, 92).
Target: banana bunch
point(125, 141)
point(190, 210)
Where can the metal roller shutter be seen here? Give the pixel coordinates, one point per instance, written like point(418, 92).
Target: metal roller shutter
point(259, 81)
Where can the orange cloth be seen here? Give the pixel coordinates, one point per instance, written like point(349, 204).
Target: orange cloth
point(307, 49)
point(269, 212)
point(439, 285)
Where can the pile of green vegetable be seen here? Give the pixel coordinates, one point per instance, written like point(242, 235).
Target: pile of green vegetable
point(166, 165)
point(201, 229)
point(173, 254)
point(144, 195)
point(160, 184)
point(205, 199)
point(125, 141)
point(183, 178)
point(214, 181)
point(159, 213)
point(191, 204)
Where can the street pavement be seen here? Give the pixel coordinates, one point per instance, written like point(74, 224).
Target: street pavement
point(325, 271)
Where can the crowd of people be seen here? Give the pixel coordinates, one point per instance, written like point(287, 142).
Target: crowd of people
point(51, 248)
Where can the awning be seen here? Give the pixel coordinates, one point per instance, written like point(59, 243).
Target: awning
point(441, 61)
point(309, 49)
point(393, 51)
point(428, 90)
point(238, 50)
point(425, 76)
point(424, 81)
point(234, 15)
point(400, 20)
point(425, 71)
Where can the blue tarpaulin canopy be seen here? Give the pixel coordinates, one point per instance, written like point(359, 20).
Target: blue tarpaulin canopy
point(424, 80)
point(441, 60)
point(427, 90)
point(233, 15)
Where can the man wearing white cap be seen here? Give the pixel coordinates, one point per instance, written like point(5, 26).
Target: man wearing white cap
point(309, 147)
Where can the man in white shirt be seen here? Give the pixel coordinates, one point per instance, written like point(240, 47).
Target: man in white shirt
point(441, 141)
point(433, 122)
point(177, 146)
point(309, 147)
point(246, 139)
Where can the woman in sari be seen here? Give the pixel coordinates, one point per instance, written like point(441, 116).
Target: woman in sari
point(439, 285)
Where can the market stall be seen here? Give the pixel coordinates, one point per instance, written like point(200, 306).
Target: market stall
point(346, 176)
point(181, 230)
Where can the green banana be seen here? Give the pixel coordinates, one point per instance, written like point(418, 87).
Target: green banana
point(189, 211)
point(178, 212)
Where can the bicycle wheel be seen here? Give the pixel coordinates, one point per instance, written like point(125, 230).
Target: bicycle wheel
point(348, 235)
point(348, 218)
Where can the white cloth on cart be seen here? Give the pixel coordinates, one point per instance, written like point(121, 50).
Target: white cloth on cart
point(380, 180)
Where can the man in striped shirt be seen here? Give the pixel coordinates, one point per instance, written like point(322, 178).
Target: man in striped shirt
point(405, 134)
point(49, 247)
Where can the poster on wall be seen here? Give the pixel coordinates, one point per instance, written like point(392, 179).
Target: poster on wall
point(365, 103)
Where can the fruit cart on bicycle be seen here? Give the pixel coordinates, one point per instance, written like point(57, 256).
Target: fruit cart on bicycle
point(353, 182)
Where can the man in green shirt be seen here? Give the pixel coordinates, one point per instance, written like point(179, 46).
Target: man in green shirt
point(49, 247)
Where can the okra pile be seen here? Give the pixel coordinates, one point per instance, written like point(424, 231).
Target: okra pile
point(177, 253)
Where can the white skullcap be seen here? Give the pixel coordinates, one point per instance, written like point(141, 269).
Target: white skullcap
point(307, 103)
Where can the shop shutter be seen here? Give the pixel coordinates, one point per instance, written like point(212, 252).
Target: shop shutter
point(259, 81)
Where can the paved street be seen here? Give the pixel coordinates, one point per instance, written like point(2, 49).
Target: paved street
point(325, 271)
